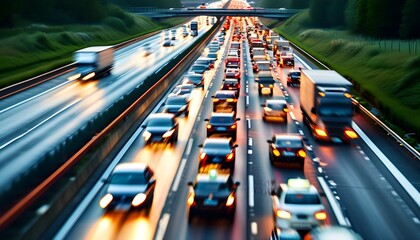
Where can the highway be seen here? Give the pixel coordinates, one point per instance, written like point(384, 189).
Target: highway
point(372, 201)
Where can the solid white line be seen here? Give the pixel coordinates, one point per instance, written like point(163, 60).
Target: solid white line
point(408, 187)
point(207, 92)
point(303, 62)
point(334, 204)
point(292, 115)
point(163, 224)
point(249, 151)
point(250, 142)
point(254, 228)
point(247, 100)
point(189, 145)
point(179, 174)
point(251, 190)
point(249, 123)
point(29, 99)
point(39, 124)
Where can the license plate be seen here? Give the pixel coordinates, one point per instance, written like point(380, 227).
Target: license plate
point(288, 154)
point(221, 129)
point(210, 202)
point(336, 139)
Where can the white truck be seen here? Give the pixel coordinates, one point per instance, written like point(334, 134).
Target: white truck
point(326, 105)
point(93, 62)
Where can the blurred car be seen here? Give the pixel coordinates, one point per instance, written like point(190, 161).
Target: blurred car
point(183, 89)
point(332, 232)
point(224, 101)
point(130, 184)
point(284, 234)
point(213, 49)
point(275, 110)
point(287, 148)
point(198, 68)
point(205, 61)
point(224, 124)
point(168, 43)
point(233, 73)
point(185, 33)
point(231, 84)
point(213, 56)
point(212, 193)
point(177, 105)
point(297, 205)
point(217, 152)
point(194, 79)
point(293, 78)
point(161, 127)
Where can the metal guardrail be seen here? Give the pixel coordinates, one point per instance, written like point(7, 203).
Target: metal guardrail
point(388, 130)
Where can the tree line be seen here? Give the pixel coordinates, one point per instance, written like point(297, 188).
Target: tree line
point(15, 12)
point(376, 18)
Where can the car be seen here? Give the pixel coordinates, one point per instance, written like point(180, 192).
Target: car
point(284, 234)
point(212, 194)
point(275, 110)
point(182, 89)
point(265, 83)
point(332, 232)
point(195, 79)
point(224, 101)
point(297, 205)
point(198, 68)
point(232, 73)
point(173, 37)
point(231, 84)
point(212, 55)
point(185, 33)
point(287, 60)
point(205, 61)
point(287, 148)
point(261, 65)
point(161, 127)
point(293, 78)
point(224, 124)
point(177, 105)
point(168, 43)
point(130, 184)
point(217, 152)
point(213, 49)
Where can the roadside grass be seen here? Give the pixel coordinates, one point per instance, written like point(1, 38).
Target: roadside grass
point(29, 51)
point(387, 78)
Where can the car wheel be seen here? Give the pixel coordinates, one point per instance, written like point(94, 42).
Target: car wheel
point(288, 84)
point(186, 113)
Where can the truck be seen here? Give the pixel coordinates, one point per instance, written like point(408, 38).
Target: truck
point(278, 44)
point(326, 105)
point(93, 62)
point(194, 28)
point(286, 60)
point(265, 83)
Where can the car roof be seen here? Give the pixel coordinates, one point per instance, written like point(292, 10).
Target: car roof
point(222, 114)
point(161, 115)
point(293, 70)
point(178, 96)
point(217, 140)
point(288, 136)
point(298, 185)
point(225, 92)
point(205, 177)
point(190, 74)
point(278, 101)
point(230, 80)
point(130, 167)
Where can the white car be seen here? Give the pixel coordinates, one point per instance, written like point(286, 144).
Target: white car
point(297, 205)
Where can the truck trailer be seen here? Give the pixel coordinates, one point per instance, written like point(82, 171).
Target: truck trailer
point(326, 104)
point(93, 62)
point(194, 28)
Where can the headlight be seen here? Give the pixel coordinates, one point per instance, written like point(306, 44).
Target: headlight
point(301, 153)
point(320, 215)
point(283, 214)
point(320, 132)
point(89, 76)
point(168, 133)
point(106, 200)
point(230, 200)
point(147, 135)
point(182, 108)
point(276, 152)
point(138, 199)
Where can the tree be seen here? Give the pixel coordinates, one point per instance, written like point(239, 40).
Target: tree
point(410, 19)
point(350, 14)
point(383, 18)
point(299, 4)
point(318, 12)
point(361, 16)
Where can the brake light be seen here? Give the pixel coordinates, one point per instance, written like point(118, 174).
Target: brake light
point(301, 153)
point(276, 152)
point(215, 99)
point(320, 132)
point(203, 155)
point(209, 126)
point(230, 200)
point(233, 126)
point(283, 214)
point(106, 200)
point(191, 199)
point(229, 157)
point(229, 100)
point(320, 215)
point(285, 110)
point(351, 134)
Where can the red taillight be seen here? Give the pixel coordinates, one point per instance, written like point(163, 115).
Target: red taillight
point(230, 156)
point(320, 132)
point(203, 156)
point(233, 126)
point(301, 153)
point(191, 200)
point(209, 126)
point(350, 134)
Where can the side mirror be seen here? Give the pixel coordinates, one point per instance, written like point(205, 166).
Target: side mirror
point(273, 192)
point(190, 184)
point(206, 120)
point(313, 110)
point(257, 80)
point(270, 141)
point(238, 119)
point(200, 146)
point(212, 96)
point(105, 180)
point(235, 146)
point(262, 105)
point(143, 126)
point(237, 184)
point(152, 181)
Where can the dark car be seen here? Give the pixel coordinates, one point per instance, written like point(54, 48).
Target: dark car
point(212, 194)
point(177, 105)
point(222, 124)
point(130, 184)
point(275, 110)
point(224, 101)
point(194, 79)
point(198, 68)
point(232, 73)
point(217, 152)
point(293, 78)
point(212, 55)
point(182, 89)
point(168, 44)
point(161, 127)
point(265, 84)
point(286, 148)
point(231, 84)
point(205, 61)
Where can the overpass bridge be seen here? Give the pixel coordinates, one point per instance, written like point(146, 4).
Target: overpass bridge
point(168, 13)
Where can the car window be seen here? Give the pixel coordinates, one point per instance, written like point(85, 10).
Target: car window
point(176, 101)
point(276, 106)
point(217, 119)
point(211, 186)
point(216, 145)
point(157, 122)
point(285, 143)
point(298, 198)
point(128, 178)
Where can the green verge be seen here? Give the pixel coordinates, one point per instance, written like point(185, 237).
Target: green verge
point(386, 78)
point(34, 49)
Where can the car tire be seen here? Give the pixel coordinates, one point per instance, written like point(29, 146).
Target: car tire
point(190, 217)
point(288, 84)
point(186, 113)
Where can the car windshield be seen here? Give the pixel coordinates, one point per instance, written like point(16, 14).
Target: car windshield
point(226, 85)
point(211, 187)
point(193, 78)
point(263, 67)
point(216, 145)
point(212, 55)
point(197, 67)
point(288, 143)
point(295, 74)
point(220, 119)
point(158, 122)
point(276, 106)
point(224, 95)
point(201, 62)
point(299, 198)
point(128, 178)
point(176, 101)
point(330, 110)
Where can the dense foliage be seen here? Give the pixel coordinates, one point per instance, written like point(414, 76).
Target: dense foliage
point(292, 4)
point(143, 3)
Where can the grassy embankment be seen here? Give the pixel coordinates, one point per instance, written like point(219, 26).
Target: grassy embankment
point(37, 48)
point(388, 79)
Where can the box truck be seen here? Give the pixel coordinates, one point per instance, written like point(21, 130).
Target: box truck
point(93, 62)
point(326, 105)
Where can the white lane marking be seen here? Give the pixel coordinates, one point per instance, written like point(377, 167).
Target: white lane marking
point(301, 132)
point(254, 228)
point(246, 89)
point(249, 122)
point(334, 205)
point(247, 100)
point(319, 169)
point(189, 145)
point(163, 224)
point(31, 98)
point(81, 208)
point(292, 115)
point(408, 187)
point(250, 151)
point(179, 174)
point(361, 152)
point(416, 220)
point(250, 142)
point(207, 92)
point(39, 124)
point(251, 190)
point(367, 158)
